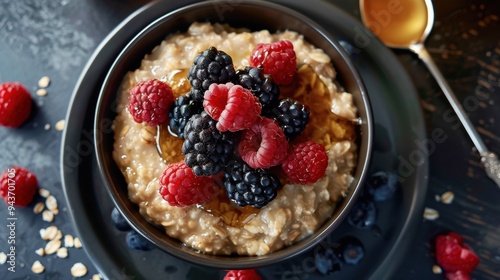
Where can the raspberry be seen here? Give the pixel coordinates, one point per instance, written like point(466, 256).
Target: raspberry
point(247, 274)
point(181, 187)
point(234, 107)
point(150, 102)
point(453, 255)
point(248, 186)
point(306, 163)
point(184, 107)
point(207, 149)
point(457, 275)
point(263, 145)
point(210, 66)
point(292, 116)
point(15, 104)
point(277, 59)
point(18, 186)
point(261, 85)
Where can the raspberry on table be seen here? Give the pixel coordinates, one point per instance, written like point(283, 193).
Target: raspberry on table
point(232, 106)
point(247, 274)
point(277, 59)
point(210, 66)
point(184, 107)
point(150, 101)
point(18, 186)
point(453, 255)
point(292, 116)
point(179, 186)
point(261, 85)
point(15, 104)
point(306, 163)
point(457, 275)
point(263, 145)
point(249, 186)
point(206, 149)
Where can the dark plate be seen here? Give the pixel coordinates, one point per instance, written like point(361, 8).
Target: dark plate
point(398, 124)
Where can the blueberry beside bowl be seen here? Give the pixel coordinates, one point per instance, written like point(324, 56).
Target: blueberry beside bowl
point(253, 15)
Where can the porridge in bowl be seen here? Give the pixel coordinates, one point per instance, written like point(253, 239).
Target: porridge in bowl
point(247, 160)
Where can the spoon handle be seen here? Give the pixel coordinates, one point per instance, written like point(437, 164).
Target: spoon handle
point(489, 159)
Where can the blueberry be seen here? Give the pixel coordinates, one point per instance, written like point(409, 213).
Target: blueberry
point(119, 221)
point(382, 185)
point(352, 250)
point(363, 214)
point(138, 242)
point(326, 260)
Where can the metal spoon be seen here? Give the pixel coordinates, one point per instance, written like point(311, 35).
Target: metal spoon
point(405, 24)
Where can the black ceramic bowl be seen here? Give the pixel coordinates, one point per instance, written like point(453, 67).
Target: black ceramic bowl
point(253, 15)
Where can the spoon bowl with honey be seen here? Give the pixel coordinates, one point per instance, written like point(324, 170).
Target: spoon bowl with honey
point(405, 24)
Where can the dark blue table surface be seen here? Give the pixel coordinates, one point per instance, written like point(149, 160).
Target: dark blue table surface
point(56, 38)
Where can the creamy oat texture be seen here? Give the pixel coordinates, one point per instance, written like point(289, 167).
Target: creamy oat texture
point(297, 211)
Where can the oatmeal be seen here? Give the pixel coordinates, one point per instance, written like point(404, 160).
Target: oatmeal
point(219, 227)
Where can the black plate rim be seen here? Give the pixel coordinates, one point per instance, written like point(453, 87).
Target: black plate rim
point(394, 256)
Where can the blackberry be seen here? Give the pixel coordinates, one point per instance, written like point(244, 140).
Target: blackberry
point(292, 116)
point(248, 186)
point(183, 108)
point(207, 149)
point(210, 66)
point(261, 85)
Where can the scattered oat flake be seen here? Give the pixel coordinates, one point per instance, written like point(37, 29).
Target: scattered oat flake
point(52, 246)
point(68, 240)
point(58, 235)
point(436, 269)
point(78, 270)
point(96, 277)
point(447, 197)
point(430, 214)
point(40, 252)
point(37, 267)
point(62, 252)
point(77, 243)
point(47, 126)
point(60, 125)
point(44, 192)
point(38, 208)
point(41, 92)
point(47, 216)
point(54, 211)
point(51, 202)
point(3, 257)
point(44, 82)
point(48, 233)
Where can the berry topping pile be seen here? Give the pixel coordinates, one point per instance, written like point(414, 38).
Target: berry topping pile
point(15, 104)
point(18, 186)
point(233, 126)
point(454, 256)
point(150, 102)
